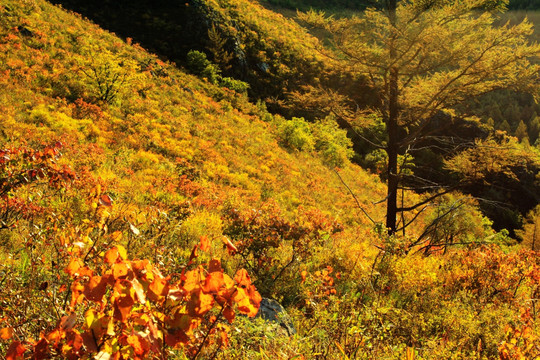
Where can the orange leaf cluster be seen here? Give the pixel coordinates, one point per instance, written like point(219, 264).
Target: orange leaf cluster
point(132, 311)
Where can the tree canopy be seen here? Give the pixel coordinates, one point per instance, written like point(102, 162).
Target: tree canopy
point(421, 60)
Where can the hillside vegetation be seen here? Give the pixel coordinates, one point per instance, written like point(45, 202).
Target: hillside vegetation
point(144, 210)
point(240, 37)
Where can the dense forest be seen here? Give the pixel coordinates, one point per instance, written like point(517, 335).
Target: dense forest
point(232, 179)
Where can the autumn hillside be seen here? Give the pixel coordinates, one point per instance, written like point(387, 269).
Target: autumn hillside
point(144, 210)
point(154, 125)
point(169, 158)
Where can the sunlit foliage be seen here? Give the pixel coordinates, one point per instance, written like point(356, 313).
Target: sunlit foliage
point(134, 195)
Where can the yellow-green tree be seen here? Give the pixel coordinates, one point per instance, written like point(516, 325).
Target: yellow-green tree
point(530, 234)
point(423, 58)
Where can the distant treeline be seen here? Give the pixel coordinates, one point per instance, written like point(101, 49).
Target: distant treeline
point(362, 4)
point(324, 4)
point(524, 5)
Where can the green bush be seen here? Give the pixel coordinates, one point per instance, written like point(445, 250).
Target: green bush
point(324, 136)
point(332, 142)
point(197, 61)
point(239, 86)
point(199, 65)
point(211, 73)
point(296, 134)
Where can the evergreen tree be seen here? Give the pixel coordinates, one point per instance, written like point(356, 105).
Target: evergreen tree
point(505, 126)
point(496, 114)
point(534, 129)
point(217, 46)
point(521, 131)
point(530, 233)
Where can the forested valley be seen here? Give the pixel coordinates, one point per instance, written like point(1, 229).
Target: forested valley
point(281, 179)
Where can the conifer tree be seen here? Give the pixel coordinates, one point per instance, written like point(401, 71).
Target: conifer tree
point(423, 58)
point(534, 129)
point(505, 126)
point(530, 234)
point(217, 46)
point(521, 131)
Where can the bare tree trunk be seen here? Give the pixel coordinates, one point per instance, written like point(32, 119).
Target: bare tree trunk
point(392, 129)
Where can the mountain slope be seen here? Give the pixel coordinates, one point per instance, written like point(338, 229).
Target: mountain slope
point(158, 112)
point(183, 173)
point(240, 36)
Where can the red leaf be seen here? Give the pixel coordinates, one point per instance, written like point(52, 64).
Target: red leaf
point(228, 313)
point(41, 349)
point(303, 275)
point(96, 288)
point(6, 333)
point(89, 341)
point(74, 339)
point(193, 255)
point(111, 255)
point(105, 200)
point(138, 343)
point(204, 243)
point(120, 270)
point(158, 289)
point(176, 337)
point(223, 338)
point(15, 351)
point(215, 265)
point(76, 293)
point(248, 300)
point(192, 280)
point(199, 303)
point(141, 267)
point(74, 265)
point(242, 278)
point(122, 307)
point(213, 282)
point(68, 322)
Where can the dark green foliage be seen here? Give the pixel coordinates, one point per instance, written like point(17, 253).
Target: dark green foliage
point(521, 131)
point(524, 4)
point(507, 109)
point(199, 65)
point(534, 129)
point(332, 142)
point(197, 62)
point(504, 126)
point(324, 4)
point(324, 136)
point(239, 86)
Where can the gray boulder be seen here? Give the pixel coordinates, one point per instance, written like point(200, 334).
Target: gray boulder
point(271, 310)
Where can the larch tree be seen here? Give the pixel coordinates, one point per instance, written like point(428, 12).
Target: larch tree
point(530, 234)
point(423, 59)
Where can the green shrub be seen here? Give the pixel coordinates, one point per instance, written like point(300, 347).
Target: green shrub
point(197, 62)
point(211, 73)
point(376, 161)
point(296, 134)
point(199, 65)
point(108, 75)
point(332, 142)
point(237, 85)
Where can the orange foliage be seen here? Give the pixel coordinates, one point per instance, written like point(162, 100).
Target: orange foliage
point(139, 297)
